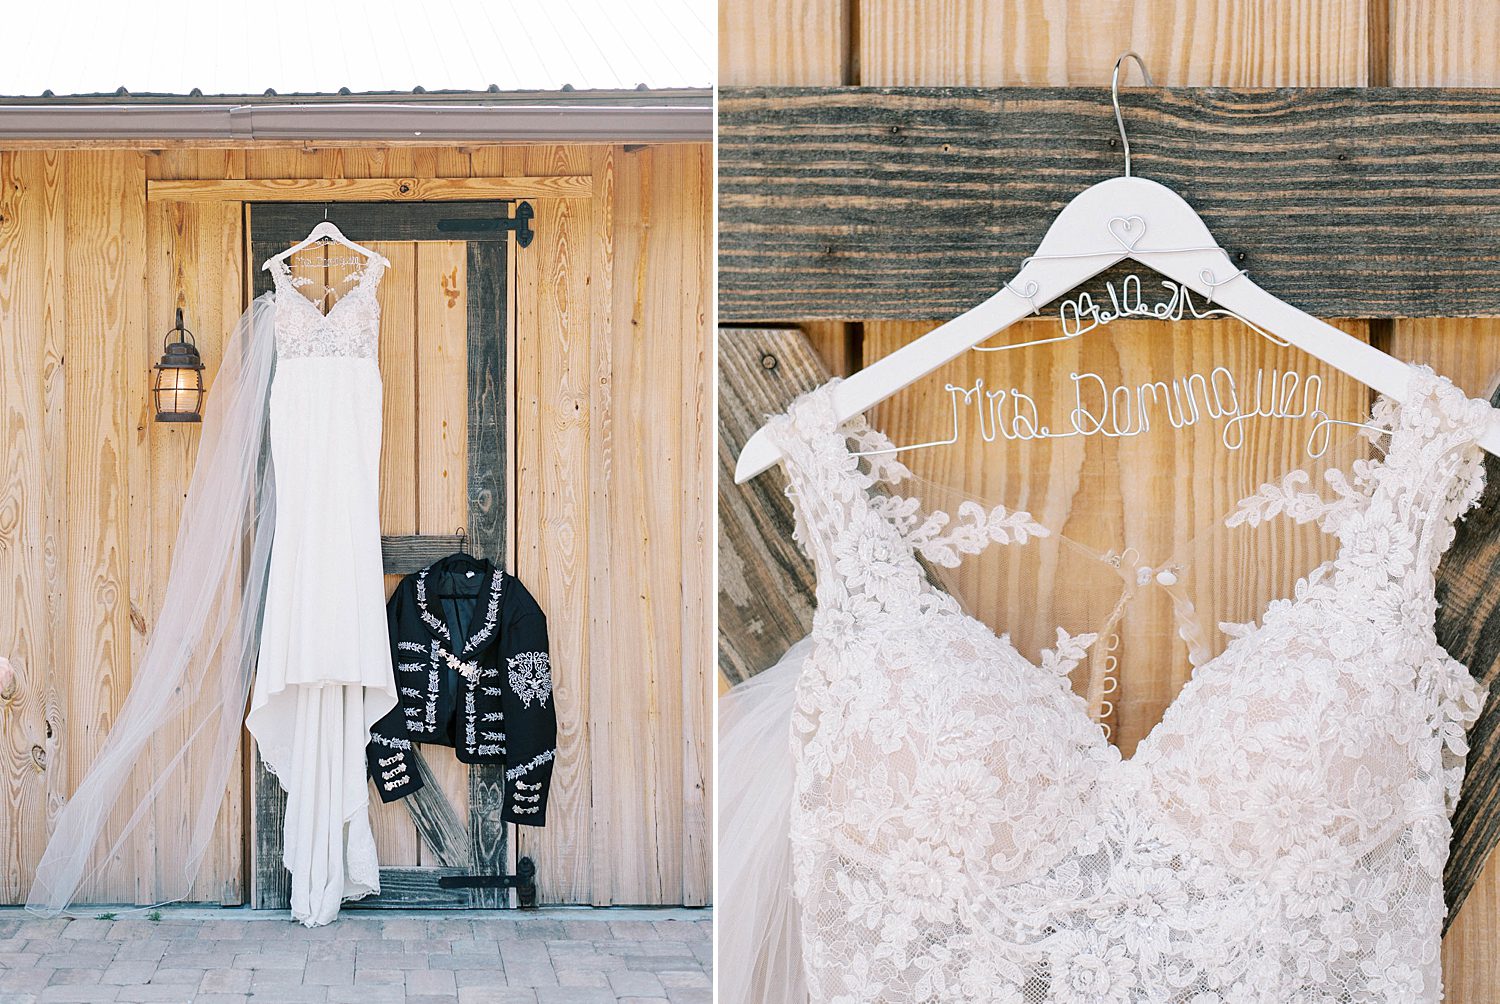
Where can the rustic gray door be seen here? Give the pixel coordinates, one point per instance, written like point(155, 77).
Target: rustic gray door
point(464, 853)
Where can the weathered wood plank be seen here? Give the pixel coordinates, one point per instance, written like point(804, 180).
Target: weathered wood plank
point(412, 189)
point(444, 833)
point(289, 222)
point(866, 203)
point(765, 582)
point(409, 553)
point(403, 888)
point(488, 282)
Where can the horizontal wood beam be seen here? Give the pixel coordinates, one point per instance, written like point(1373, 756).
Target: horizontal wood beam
point(914, 203)
point(408, 554)
point(573, 186)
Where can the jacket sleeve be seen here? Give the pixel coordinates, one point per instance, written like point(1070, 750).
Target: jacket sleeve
point(388, 755)
point(530, 713)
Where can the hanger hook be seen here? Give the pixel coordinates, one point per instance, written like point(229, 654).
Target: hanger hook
point(1114, 97)
point(325, 205)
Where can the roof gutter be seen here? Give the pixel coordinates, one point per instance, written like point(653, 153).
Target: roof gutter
point(389, 121)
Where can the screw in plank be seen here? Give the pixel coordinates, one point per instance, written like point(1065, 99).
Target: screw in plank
point(768, 362)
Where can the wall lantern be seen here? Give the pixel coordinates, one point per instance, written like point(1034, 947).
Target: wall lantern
point(178, 387)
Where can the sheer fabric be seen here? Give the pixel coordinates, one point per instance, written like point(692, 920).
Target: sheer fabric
point(199, 659)
point(759, 949)
point(961, 830)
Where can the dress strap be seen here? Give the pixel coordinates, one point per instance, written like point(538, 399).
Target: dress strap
point(1394, 514)
point(863, 535)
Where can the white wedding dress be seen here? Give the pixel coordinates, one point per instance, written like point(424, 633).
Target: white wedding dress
point(913, 811)
point(324, 673)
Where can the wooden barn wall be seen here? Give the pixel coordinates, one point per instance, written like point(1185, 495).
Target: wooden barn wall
point(1086, 489)
point(610, 515)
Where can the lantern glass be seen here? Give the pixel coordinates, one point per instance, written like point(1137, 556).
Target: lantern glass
point(177, 387)
point(178, 393)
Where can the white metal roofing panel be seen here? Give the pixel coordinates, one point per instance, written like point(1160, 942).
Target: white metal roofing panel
point(78, 47)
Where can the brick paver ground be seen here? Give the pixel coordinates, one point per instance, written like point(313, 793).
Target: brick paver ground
point(475, 957)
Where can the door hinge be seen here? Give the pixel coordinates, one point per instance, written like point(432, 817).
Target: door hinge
point(523, 881)
point(519, 222)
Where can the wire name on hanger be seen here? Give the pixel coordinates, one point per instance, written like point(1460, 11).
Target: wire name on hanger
point(1081, 314)
point(1121, 411)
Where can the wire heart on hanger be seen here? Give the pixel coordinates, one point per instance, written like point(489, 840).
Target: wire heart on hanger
point(1127, 230)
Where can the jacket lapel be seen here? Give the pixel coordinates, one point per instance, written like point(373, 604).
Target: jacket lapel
point(486, 609)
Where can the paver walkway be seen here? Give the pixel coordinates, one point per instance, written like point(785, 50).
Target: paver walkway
point(207, 956)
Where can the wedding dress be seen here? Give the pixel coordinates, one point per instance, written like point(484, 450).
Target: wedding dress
point(324, 672)
point(956, 827)
point(275, 577)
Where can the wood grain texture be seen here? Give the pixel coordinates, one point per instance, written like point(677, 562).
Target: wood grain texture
point(879, 203)
point(396, 841)
point(442, 364)
point(1186, 43)
point(194, 262)
point(1443, 43)
point(765, 581)
point(554, 549)
point(487, 402)
point(367, 189)
point(798, 43)
point(685, 263)
point(30, 505)
point(105, 239)
point(556, 527)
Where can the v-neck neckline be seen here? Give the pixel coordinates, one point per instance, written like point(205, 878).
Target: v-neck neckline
point(849, 464)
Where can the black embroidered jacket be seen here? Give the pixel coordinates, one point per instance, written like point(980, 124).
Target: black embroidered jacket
point(470, 649)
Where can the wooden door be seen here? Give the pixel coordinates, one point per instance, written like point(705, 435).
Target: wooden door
point(446, 306)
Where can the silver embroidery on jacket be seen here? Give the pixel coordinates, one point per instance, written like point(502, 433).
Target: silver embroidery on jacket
point(531, 677)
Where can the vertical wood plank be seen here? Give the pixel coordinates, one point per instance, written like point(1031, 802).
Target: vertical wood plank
point(553, 550)
point(793, 42)
point(646, 587)
point(396, 838)
point(692, 235)
point(30, 411)
point(442, 436)
point(1263, 43)
point(488, 517)
point(104, 224)
point(1443, 43)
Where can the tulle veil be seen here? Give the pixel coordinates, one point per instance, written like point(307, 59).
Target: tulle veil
point(196, 670)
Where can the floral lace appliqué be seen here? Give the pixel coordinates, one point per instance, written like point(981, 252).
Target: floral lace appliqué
point(962, 831)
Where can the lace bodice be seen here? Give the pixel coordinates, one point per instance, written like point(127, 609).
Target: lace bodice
point(351, 328)
point(962, 830)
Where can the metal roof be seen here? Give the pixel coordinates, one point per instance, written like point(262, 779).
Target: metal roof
point(69, 49)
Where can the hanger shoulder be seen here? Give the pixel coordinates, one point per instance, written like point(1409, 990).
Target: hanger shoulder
point(1114, 220)
point(326, 229)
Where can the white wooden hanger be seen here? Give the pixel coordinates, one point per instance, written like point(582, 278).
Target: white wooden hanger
point(1122, 218)
point(333, 233)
